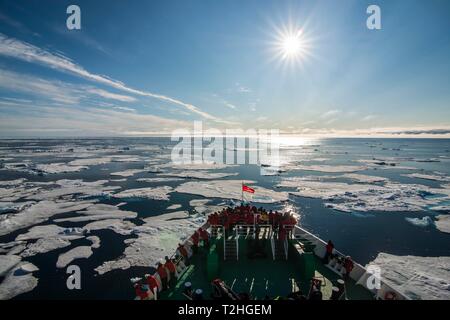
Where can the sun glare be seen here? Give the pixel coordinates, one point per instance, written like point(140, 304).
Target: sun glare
point(292, 46)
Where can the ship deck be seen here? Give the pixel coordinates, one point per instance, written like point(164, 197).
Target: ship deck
point(260, 278)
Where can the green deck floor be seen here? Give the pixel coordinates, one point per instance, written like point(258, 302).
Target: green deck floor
point(258, 277)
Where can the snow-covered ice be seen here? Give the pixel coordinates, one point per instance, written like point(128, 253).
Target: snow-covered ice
point(99, 211)
point(202, 174)
point(443, 223)
point(157, 237)
point(38, 213)
point(433, 177)
point(18, 280)
point(330, 168)
point(420, 222)
point(53, 168)
point(157, 193)
point(231, 189)
point(81, 252)
point(425, 278)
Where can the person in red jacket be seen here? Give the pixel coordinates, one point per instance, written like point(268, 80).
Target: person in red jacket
point(348, 265)
point(183, 252)
point(163, 275)
point(204, 236)
point(152, 283)
point(329, 252)
point(170, 265)
point(195, 240)
point(141, 291)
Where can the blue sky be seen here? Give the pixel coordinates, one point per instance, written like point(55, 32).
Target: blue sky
point(138, 68)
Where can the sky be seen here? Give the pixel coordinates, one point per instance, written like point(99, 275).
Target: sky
point(138, 68)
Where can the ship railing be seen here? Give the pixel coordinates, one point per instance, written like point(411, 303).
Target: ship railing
point(286, 247)
point(359, 273)
point(272, 244)
point(247, 230)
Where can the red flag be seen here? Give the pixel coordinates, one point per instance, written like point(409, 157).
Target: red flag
point(247, 189)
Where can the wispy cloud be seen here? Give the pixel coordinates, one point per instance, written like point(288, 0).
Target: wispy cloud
point(17, 49)
point(110, 95)
point(330, 113)
point(230, 105)
point(242, 89)
point(369, 117)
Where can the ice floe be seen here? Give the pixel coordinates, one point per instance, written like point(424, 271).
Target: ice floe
point(95, 241)
point(118, 226)
point(199, 174)
point(7, 262)
point(81, 252)
point(99, 211)
point(18, 280)
point(368, 197)
point(156, 180)
point(330, 168)
point(420, 222)
point(363, 178)
point(157, 193)
point(54, 168)
point(128, 173)
point(425, 278)
point(174, 207)
point(157, 237)
point(433, 177)
point(231, 189)
point(90, 161)
point(44, 245)
point(38, 213)
point(443, 223)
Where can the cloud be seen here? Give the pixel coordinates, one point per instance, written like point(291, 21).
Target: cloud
point(17, 49)
point(422, 132)
point(125, 109)
point(229, 105)
point(55, 91)
point(330, 113)
point(242, 89)
point(369, 117)
point(48, 121)
point(110, 95)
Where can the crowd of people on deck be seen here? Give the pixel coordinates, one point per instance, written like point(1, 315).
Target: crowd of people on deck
point(167, 271)
point(228, 218)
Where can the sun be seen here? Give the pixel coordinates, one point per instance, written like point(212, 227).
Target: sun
point(292, 46)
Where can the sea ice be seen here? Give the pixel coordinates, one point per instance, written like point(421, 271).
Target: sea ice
point(363, 178)
point(38, 213)
point(443, 223)
point(174, 207)
point(81, 252)
point(99, 211)
point(155, 180)
point(366, 197)
point(53, 168)
point(434, 177)
point(157, 193)
point(199, 174)
point(44, 245)
point(18, 280)
point(157, 237)
point(128, 173)
point(330, 168)
point(118, 226)
point(90, 161)
point(420, 222)
point(426, 278)
point(231, 189)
